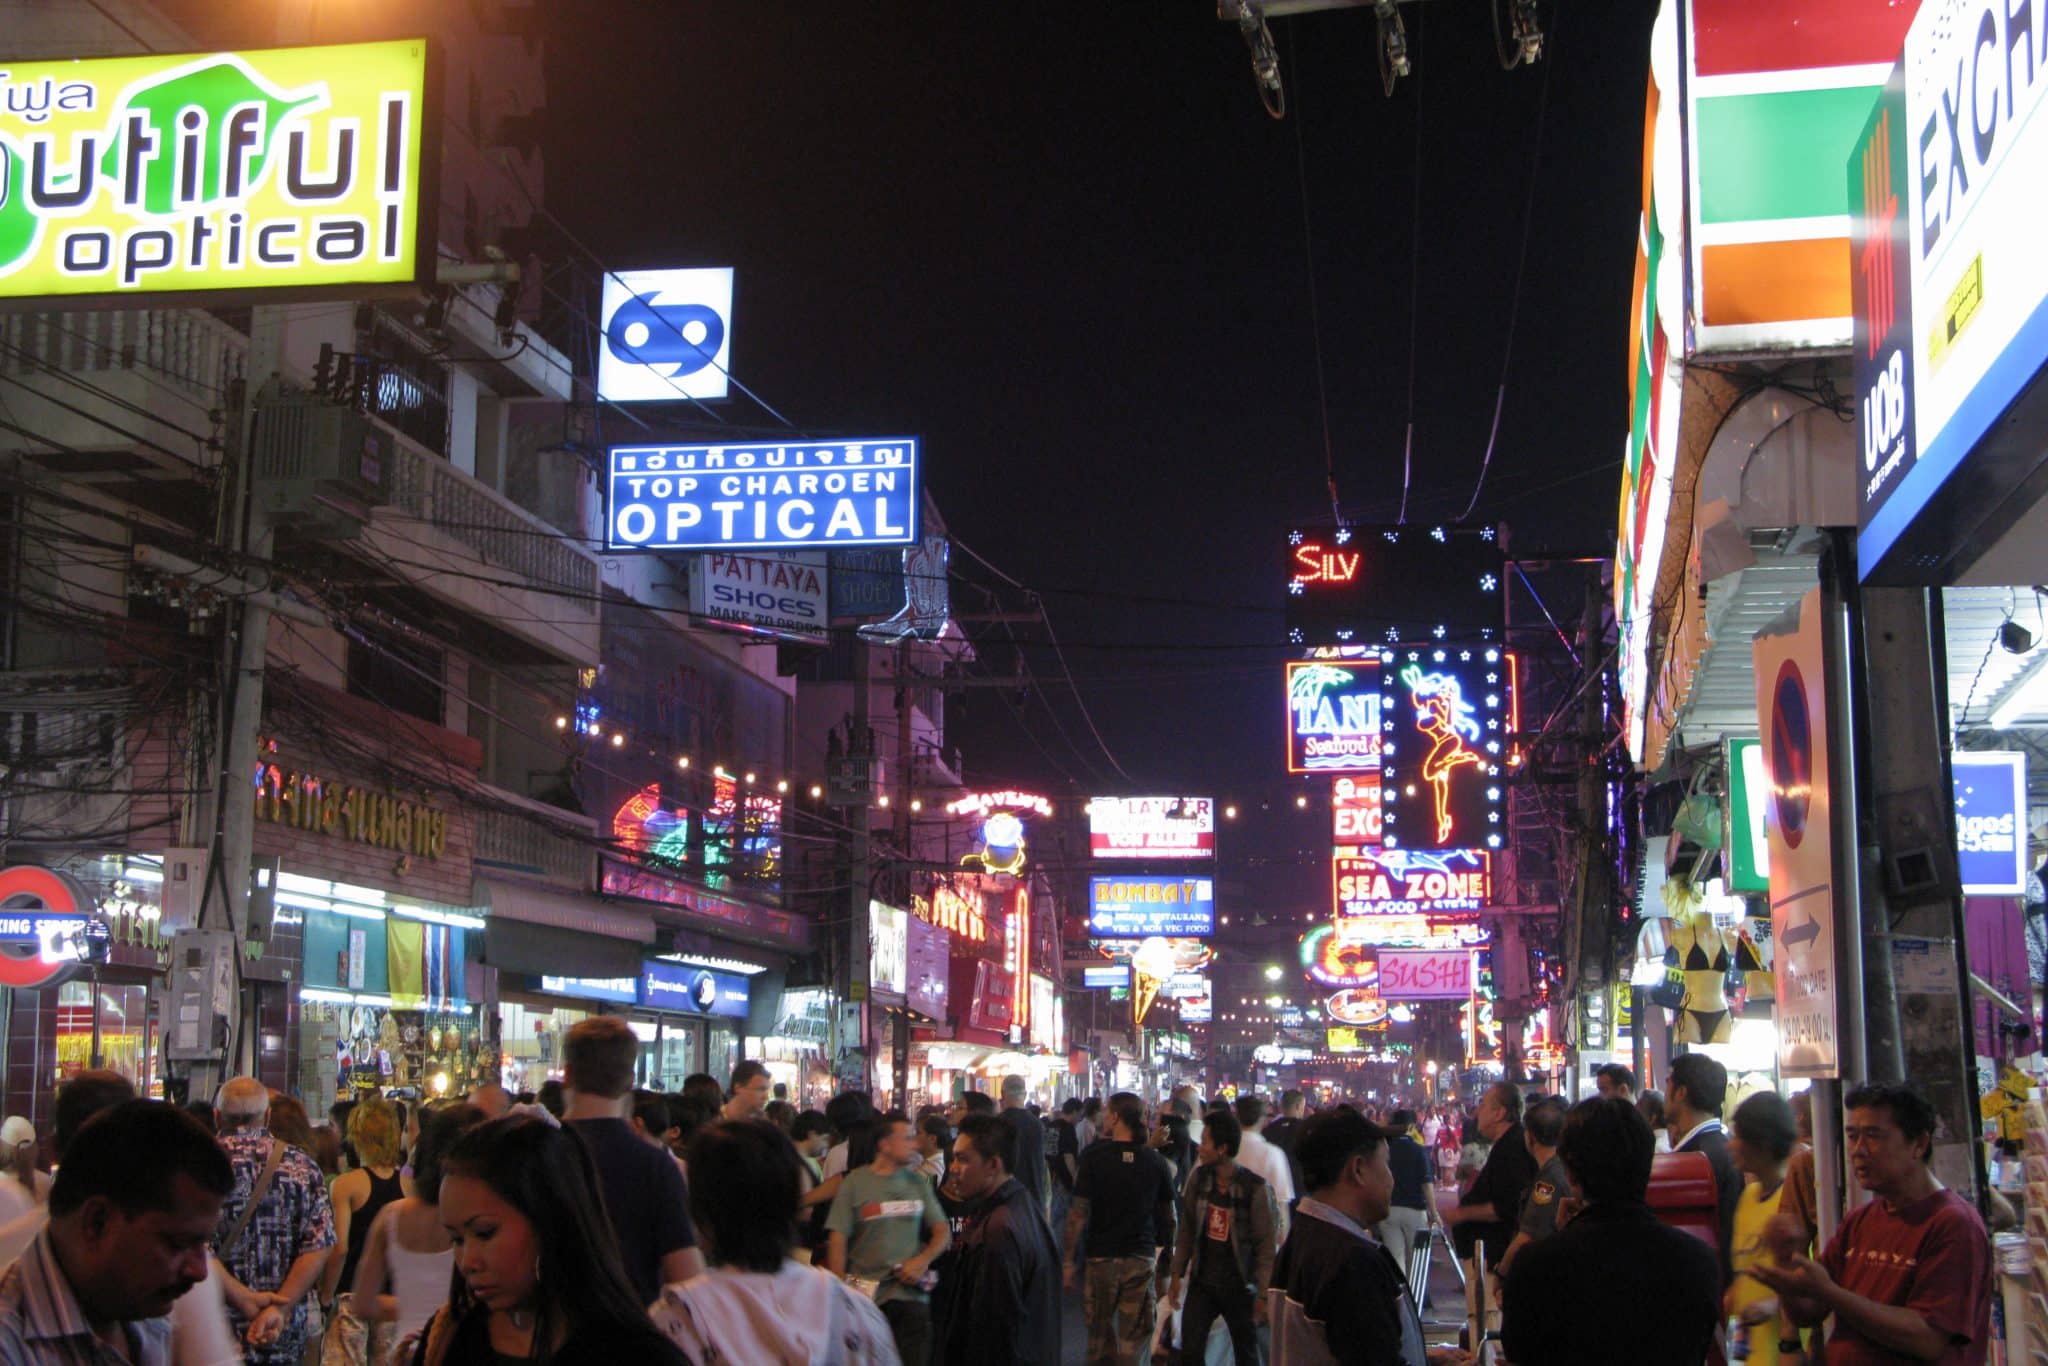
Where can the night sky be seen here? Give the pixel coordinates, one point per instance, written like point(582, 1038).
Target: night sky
point(1064, 245)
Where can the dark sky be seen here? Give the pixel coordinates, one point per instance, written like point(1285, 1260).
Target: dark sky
point(1064, 245)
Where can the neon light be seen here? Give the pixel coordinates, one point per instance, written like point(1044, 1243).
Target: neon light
point(985, 803)
point(1338, 962)
point(1017, 957)
point(949, 910)
point(1442, 714)
point(1313, 564)
point(1333, 716)
point(1002, 844)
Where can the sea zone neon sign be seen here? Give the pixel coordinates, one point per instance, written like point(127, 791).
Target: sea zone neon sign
point(1448, 721)
point(1334, 716)
point(1409, 882)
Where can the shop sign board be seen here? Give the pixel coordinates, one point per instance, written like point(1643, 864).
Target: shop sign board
point(37, 947)
point(1141, 905)
point(956, 912)
point(617, 990)
point(1356, 1006)
point(1375, 585)
point(1409, 882)
point(1882, 290)
point(994, 991)
point(795, 496)
point(298, 172)
point(1991, 822)
point(1748, 794)
point(1152, 827)
point(1198, 1007)
point(696, 990)
point(381, 819)
point(1792, 709)
point(1355, 812)
point(780, 593)
point(927, 968)
point(1975, 76)
point(1426, 974)
point(1412, 931)
point(1106, 976)
point(888, 948)
point(1450, 717)
point(667, 335)
point(865, 583)
point(1775, 93)
point(1333, 715)
point(1336, 960)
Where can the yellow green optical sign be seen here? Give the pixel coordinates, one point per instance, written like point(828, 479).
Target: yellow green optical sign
point(293, 169)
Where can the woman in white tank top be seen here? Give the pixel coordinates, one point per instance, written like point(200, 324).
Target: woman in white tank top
point(408, 1262)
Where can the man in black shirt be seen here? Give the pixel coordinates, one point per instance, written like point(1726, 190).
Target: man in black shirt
point(1489, 1210)
point(1414, 1192)
point(643, 1191)
point(1030, 1169)
point(1487, 1215)
point(1001, 1305)
point(1124, 1198)
point(1657, 1287)
point(1062, 1159)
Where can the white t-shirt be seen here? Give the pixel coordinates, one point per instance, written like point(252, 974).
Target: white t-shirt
point(1267, 1162)
point(835, 1161)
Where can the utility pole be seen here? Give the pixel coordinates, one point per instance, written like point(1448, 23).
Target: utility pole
point(899, 1023)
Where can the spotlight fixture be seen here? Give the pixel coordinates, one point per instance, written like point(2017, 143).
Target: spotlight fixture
point(1258, 40)
point(2014, 638)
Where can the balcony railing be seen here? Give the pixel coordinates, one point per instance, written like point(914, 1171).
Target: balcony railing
point(529, 845)
point(182, 347)
point(498, 531)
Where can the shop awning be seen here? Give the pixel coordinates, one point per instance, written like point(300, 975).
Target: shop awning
point(535, 931)
point(583, 914)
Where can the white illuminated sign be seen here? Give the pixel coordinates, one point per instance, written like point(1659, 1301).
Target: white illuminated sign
point(667, 336)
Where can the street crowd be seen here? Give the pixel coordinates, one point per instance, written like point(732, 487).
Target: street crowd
point(592, 1223)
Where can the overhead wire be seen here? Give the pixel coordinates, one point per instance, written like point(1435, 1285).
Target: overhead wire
point(1521, 264)
point(1315, 319)
point(1414, 291)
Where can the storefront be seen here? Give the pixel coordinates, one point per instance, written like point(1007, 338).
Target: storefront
point(688, 1016)
point(82, 964)
point(798, 1053)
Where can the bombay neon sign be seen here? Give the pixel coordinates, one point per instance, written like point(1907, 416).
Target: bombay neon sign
point(1333, 715)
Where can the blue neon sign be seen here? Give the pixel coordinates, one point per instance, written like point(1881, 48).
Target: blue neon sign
point(1141, 905)
point(818, 494)
point(1991, 822)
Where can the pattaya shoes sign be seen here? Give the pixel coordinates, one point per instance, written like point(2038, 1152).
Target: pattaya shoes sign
point(292, 169)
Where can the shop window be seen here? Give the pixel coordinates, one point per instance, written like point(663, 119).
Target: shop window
point(127, 1041)
point(397, 672)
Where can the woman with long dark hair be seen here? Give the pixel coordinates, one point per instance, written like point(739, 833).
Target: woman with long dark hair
point(537, 1272)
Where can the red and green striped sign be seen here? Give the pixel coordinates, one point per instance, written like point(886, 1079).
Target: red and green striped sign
point(1776, 91)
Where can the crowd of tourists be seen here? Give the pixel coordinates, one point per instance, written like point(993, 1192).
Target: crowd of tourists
point(595, 1223)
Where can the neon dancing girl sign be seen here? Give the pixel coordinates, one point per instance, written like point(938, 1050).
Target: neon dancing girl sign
point(1443, 715)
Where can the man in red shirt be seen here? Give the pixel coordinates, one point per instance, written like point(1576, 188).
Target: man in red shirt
point(1908, 1275)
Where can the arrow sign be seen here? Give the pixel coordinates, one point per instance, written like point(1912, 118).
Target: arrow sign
point(1804, 933)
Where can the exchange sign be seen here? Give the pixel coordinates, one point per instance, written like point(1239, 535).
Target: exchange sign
point(1450, 716)
point(1376, 585)
point(1152, 827)
point(1140, 905)
point(291, 170)
point(1355, 812)
point(791, 496)
point(1333, 715)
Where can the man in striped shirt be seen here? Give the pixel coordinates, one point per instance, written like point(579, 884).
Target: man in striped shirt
point(132, 1213)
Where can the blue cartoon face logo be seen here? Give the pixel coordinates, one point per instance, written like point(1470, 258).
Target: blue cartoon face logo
point(685, 336)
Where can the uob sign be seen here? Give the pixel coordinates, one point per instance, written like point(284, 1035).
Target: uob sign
point(1882, 289)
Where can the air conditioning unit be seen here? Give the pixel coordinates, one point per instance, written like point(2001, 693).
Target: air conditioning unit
point(321, 464)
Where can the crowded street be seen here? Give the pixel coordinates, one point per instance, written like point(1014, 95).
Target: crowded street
point(1269, 682)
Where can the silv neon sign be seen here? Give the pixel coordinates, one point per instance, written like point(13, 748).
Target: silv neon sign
point(1313, 564)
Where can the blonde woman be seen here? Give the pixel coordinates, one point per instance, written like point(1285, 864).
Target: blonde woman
point(358, 1196)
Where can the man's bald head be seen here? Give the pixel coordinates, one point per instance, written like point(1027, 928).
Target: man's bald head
point(491, 1098)
point(243, 1103)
